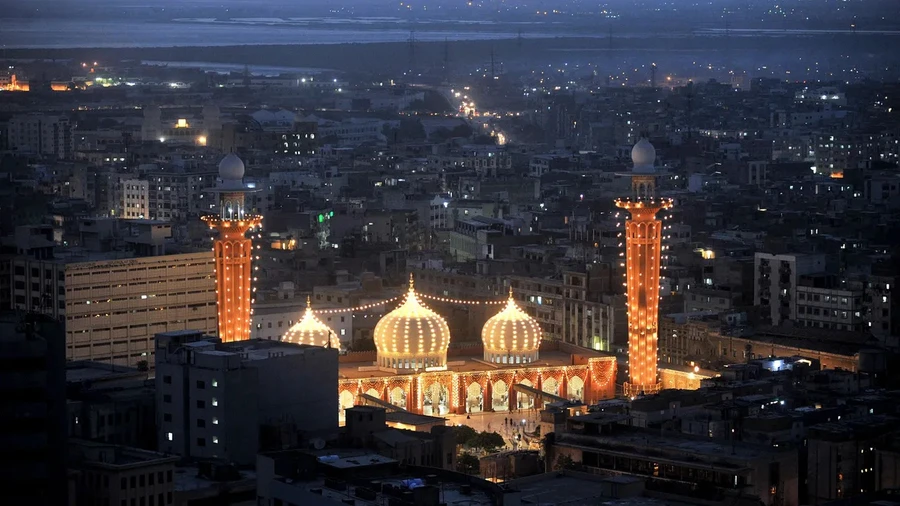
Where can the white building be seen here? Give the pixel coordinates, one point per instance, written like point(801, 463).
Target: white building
point(114, 302)
point(776, 280)
point(135, 203)
point(42, 134)
point(213, 399)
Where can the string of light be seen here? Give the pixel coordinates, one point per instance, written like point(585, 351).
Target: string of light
point(462, 301)
point(363, 307)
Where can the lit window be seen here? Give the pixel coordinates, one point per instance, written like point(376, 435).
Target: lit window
point(215, 439)
point(215, 421)
point(215, 402)
point(169, 436)
point(215, 383)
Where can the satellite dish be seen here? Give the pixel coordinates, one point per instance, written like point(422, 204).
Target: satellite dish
point(317, 443)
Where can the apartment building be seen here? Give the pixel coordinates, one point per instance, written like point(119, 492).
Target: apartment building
point(824, 302)
point(120, 475)
point(570, 308)
point(114, 301)
point(42, 134)
point(213, 400)
point(776, 278)
point(135, 203)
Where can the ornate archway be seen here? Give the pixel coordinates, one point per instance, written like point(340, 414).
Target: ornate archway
point(474, 398)
point(374, 393)
point(500, 397)
point(436, 399)
point(550, 385)
point(525, 401)
point(576, 388)
point(346, 399)
point(398, 397)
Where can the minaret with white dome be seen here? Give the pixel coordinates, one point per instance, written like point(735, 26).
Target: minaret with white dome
point(233, 251)
point(643, 247)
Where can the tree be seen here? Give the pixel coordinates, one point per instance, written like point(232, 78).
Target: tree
point(464, 435)
point(468, 464)
point(489, 441)
point(564, 462)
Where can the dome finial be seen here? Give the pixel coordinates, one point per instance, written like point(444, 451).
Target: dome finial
point(412, 283)
point(510, 293)
point(308, 303)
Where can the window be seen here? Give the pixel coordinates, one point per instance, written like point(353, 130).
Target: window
point(169, 480)
point(215, 421)
point(167, 380)
point(169, 436)
point(202, 404)
point(124, 484)
point(167, 398)
point(215, 439)
point(141, 481)
point(201, 423)
point(133, 481)
point(201, 441)
point(201, 384)
point(215, 402)
point(167, 417)
point(150, 479)
point(215, 383)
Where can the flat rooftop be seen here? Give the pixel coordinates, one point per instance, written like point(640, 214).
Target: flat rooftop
point(576, 491)
point(261, 349)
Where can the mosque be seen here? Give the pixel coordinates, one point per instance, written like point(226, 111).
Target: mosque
point(415, 369)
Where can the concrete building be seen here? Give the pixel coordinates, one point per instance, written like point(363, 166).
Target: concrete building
point(114, 475)
point(776, 277)
point(825, 303)
point(135, 203)
point(33, 389)
point(367, 427)
point(842, 457)
point(680, 464)
point(113, 302)
point(215, 400)
point(42, 134)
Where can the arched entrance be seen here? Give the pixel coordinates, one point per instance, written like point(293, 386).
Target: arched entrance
point(398, 397)
point(437, 400)
point(576, 388)
point(550, 385)
point(345, 400)
point(500, 401)
point(374, 393)
point(474, 398)
point(525, 401)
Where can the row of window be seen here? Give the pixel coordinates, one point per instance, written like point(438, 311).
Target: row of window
point(149, 479)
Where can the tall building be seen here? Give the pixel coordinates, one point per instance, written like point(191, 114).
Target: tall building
point(33, 423)
point(218, 400)
point(777, 279)
point(233, 251)
point(116, 291)
point(42, 134)
point(643, 240)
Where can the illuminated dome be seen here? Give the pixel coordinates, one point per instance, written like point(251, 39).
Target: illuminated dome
point(511, 336)
point(310, 330)
point(412, 336)
point(643, 155)
point(231, 168)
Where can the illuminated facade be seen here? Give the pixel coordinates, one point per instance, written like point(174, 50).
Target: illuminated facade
point(643, 235)
point(233, 252)
point(310, 330)
point(501, 375)
point(412, 336)
point(511, 336)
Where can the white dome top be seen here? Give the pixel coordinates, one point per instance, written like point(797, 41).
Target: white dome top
point(412, 336)
point(643, 156)
point(231, 168)
point(310, 330)
point(511, 336)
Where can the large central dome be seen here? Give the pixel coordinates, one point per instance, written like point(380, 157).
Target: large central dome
point(412, 336)
point(310, 330)
point(511, 336)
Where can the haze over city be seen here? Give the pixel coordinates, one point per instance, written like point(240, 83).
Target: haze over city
point(449, 252)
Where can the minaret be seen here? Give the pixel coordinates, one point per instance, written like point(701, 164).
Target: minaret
point(233, 251)
point(643, 235)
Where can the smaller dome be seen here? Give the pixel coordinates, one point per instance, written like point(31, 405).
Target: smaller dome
point(643, 156)
point(310, 330)
point(511, 336)
point(412, 336)
point(231, 168)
